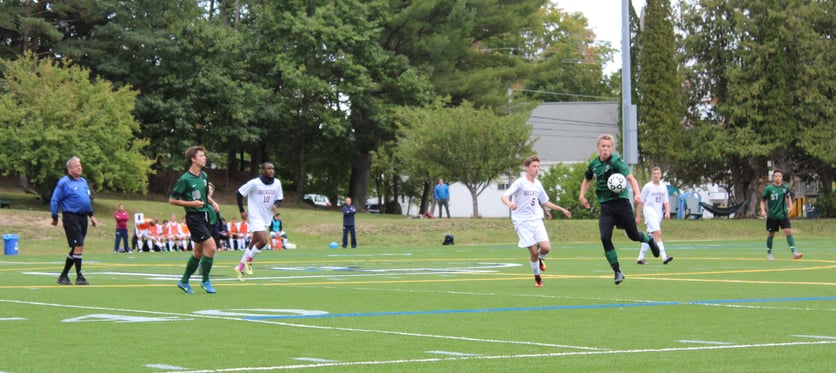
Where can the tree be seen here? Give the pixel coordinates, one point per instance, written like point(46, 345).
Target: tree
point(762, 71)
point(659, 106)
point(468, 145)
point(49, 113)
point(563, 184)
point(567, 62)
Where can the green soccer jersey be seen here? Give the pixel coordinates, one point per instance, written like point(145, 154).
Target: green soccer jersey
point(776, 200)
point(191, 187)
point(601, 171)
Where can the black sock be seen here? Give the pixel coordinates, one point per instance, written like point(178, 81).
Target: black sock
point(616, 267)
point(77, 261)
point(68, 263)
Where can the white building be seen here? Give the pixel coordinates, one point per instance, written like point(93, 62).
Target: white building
point(564, 131)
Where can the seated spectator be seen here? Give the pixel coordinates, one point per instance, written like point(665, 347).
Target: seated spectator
point(223, 233)
point(278, 237)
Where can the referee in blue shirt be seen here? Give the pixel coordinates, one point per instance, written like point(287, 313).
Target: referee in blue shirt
point(72, 196)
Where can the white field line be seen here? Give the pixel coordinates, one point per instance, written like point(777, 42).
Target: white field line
point(766, 307)
point(498, 357)
point(704, 342)
point(274, 322)
point(830, 337)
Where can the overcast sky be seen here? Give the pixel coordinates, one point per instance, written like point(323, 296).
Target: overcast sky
point(604, 17)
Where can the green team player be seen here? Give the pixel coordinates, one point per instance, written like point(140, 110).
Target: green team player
point(192, 192)
point(616, 210)
point(775, 202)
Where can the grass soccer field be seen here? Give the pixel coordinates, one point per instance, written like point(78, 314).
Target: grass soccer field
point(720, 306)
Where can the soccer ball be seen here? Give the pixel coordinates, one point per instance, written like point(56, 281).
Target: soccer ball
point(616, 183)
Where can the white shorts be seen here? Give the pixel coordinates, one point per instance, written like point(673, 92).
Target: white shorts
point(653, 221)
point(257, 223)
point(531, 232)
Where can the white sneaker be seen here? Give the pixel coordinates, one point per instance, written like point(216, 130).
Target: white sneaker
point(770, 257)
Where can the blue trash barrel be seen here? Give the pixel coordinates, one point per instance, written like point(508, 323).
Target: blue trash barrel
point(10, 244)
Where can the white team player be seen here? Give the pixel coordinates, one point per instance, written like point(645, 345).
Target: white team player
point(526, 198)
point(264, 196)
point(655, 206)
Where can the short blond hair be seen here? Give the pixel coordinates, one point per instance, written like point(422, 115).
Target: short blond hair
point(605, 136)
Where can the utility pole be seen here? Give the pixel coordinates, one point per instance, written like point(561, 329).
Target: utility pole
point(629, 117)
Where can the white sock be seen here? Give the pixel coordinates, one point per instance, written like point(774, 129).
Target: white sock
point(662, 250)
point(253, 252)
point(245, 256)
point(535, 267)
point(643, 251)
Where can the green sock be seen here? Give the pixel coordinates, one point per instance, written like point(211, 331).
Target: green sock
point(769, 245)
point(791, 242)
point(206, 266)
point(612, 257)
point(191, 266)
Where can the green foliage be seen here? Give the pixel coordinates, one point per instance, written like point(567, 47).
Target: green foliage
point(568, 63)
point(767, 68)
point(659, 106)
point(468, 145)
point(826, 204)
point(50, 113)
point(563, 184)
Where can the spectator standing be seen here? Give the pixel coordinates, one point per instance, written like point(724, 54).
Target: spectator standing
point(72, 197)
point(348, 224)
point(442, 196)
point(121, 216)
point(192, 193)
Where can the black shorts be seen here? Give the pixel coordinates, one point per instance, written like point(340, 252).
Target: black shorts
point(199, 228)
point(75, 227)
point(772, 225)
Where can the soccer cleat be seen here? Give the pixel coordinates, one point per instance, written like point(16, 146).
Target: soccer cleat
point(238, 273)
point(770, 257)
point(185, 287)
point(619, 277)
point(668, 260)
point(248, 267)
point(797, 255)
point(641, 261)
point(538, 281)
point(542, 264)
point(206, 285)
point(654, 248)
point(80, 280)
point(63, 280)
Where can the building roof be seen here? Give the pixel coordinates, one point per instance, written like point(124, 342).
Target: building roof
point(567, 131)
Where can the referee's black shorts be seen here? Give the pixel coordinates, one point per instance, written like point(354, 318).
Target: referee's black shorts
point(75, 227)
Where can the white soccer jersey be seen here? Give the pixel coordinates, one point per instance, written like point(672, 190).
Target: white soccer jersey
point(528, 196)
point(260, 199)
point(654, 198)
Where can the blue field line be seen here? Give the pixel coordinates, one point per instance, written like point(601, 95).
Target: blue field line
point(539, 308)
